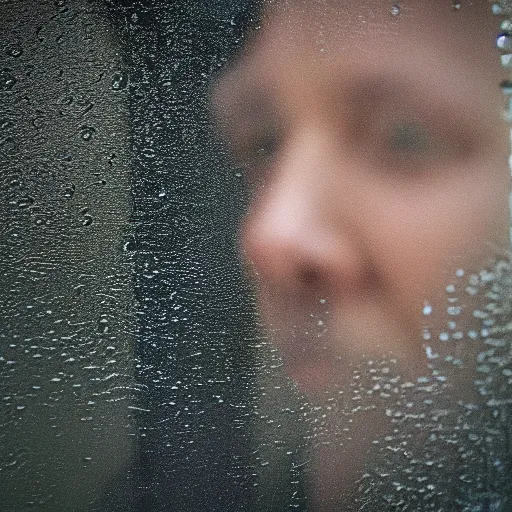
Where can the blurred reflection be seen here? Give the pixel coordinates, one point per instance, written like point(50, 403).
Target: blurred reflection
point(373, 137)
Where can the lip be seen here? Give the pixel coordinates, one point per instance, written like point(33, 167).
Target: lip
point(321, 341)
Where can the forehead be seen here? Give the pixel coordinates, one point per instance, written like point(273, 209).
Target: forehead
point(329, 30)
point(314, 15)
point(337, 43)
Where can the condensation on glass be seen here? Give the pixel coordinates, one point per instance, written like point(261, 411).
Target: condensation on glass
point(66, 330)
point(135, 372)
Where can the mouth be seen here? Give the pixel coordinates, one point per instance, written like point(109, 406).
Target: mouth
point(321, 343)
point(305, 337)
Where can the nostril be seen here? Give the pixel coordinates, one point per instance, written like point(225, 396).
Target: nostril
point(293, 247)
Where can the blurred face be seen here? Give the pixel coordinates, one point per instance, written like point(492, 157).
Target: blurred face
point(377, 156)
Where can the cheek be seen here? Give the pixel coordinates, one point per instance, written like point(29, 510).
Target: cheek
point(426, 234)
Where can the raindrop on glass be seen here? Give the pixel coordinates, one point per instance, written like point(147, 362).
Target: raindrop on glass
point(504, 41)
point(148, 152)
point(87, 132)
point(506, 26)
point(506, 60)
point(87, 217)
point(497, 9)
point(69, 191)
point(7, 80)
point(14, 51)
point(25, 202)
point(119, 81)
point(395, 10)
point(506, 87)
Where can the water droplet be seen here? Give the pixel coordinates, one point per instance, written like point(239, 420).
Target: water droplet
point(87, 220)
point(497, 10)
point(506, 26)
point(454, 310)
point(471, 290)
point(130, 245)
point(119, 81)
point(8, 146)
point(14, 51)
point(506, 87)
point(395, 10)
point(430, 353)
point(69, 191)
point(148, 152)
point(455, 5)
point(7, 80)
point(427, 309)
point(506, 60)
point(25, 201)
point(504, 41)
point(87, 132)
point(459, 272)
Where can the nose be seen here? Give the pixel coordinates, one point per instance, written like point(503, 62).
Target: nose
point(302, 234)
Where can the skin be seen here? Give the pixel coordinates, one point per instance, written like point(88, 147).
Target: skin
point(377, 155)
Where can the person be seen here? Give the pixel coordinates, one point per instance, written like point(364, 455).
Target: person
point(373, 139)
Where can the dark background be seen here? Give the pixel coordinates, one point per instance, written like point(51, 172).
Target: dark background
point(127, 370)
point(186, 206)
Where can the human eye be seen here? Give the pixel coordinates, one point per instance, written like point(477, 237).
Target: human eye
point(408, 139)
point(407, 145)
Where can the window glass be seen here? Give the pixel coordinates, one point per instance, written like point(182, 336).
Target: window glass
point(67, 328)
point(255, 255)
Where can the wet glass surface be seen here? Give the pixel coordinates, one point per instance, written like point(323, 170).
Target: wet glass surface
point(234, 279)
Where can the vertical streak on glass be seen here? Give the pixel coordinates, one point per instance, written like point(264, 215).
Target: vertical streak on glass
point(66, 341)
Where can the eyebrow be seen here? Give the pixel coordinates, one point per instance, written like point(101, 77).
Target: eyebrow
point(246, 98)
point(229, 84)
point(236, 97)
point(429, 98)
